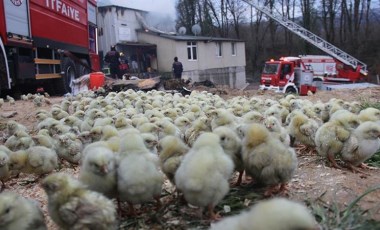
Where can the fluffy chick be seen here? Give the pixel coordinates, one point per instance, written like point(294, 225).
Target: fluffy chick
point(267, 159)
point(151, 141)
point(69, 149)
point(98, 171)
point(71, 206)
point(204, 172)
point(37, 160)
point(13, 127)
point(172, 150)
point(330, 137)
point(139, 179)
point(369, 114)
point(274, 126)
point(44, 140)
point(273, 214)
point(4, 168)
point(362, 144)
point(223, 117)
point(19, 213)
point(303, 130)
point(231, 144)
point(202, 124)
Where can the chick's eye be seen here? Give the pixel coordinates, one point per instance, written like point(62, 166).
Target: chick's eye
point(7, 210)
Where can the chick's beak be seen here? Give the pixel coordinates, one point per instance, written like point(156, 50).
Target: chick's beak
point(104, 169)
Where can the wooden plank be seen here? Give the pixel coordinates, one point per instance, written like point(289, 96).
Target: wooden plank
point(48, 76)
point(47, 61)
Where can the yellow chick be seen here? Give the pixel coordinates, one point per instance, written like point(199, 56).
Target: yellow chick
point(151, 141)
point(71, 206)
point(171, 152)
point(13, 127)
point(69, 149)
point(369, 114)
point(202, 124)
point(4, 168)
point(139, 179)
point(273, 111)
point(44, 140)
point(273, 214)
point(37, 160)
point(363, 142)
point(231, 144)
point(223, 117)
point(96, 133)
point(98, 171)
point(19, 213)
point(11, 100)
point(267, 159)
point(58, 113)
point(253, 117)
point(167, 128)
point(183, 123)
point(274, 126)
point(204, 172)
point(108, 131)
point(330, 137)
point(303, 130)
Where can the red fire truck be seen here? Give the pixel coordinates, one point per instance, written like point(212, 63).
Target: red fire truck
point(287, 75)
point(47, 43)
point(305, 73)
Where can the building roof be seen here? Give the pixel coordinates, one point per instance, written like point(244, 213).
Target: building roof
point(178, 37)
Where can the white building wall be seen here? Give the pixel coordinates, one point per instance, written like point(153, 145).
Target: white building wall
point(225, 70)
point(118, 25)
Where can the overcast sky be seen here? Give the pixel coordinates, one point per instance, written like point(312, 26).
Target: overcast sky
point(161, 6)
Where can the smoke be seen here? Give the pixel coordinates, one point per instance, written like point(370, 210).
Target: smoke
point(165, 7)
point(161, 13)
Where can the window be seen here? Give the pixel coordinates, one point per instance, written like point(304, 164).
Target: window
point(191, 50)
point(219, 49)
point(233, 48)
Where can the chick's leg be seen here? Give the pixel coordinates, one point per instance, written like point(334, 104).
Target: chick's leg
point(354, 169)
point(365, 166)
point(331, 158)
point(238, 182)
point(158, 204)
point(2, 186)
point(213, 215)
point(132, 211)
point(272, 189)
point(284, 190)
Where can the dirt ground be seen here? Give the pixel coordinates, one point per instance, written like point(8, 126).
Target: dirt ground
point(314, 179)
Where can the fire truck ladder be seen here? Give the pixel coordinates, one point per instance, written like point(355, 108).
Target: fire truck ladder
point(312, 38)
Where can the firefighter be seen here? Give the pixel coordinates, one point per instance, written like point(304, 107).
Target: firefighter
point(177, 68)
point(113, 58)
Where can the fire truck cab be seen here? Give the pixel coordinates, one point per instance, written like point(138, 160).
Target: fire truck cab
point(287, 75)
point(46, 43)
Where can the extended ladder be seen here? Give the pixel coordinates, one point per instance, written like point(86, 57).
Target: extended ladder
point(312, 38)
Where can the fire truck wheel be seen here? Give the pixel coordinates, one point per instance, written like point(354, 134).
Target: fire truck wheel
point(81, 69)
point(69, 74)
point(290, 90)
point(3, 72)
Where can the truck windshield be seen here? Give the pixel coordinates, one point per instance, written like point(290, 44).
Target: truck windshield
point(270, 68)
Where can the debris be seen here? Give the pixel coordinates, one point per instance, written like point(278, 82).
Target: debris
point(8, 114)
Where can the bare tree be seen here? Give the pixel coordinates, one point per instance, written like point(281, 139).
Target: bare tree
point(236, 9)
point(329, 9)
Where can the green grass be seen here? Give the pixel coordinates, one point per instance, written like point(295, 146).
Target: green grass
point(331, 216)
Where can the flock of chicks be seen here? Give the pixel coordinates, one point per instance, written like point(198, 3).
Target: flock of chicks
point(127, 142)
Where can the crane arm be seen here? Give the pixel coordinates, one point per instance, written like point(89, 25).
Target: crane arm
point(311, 38)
